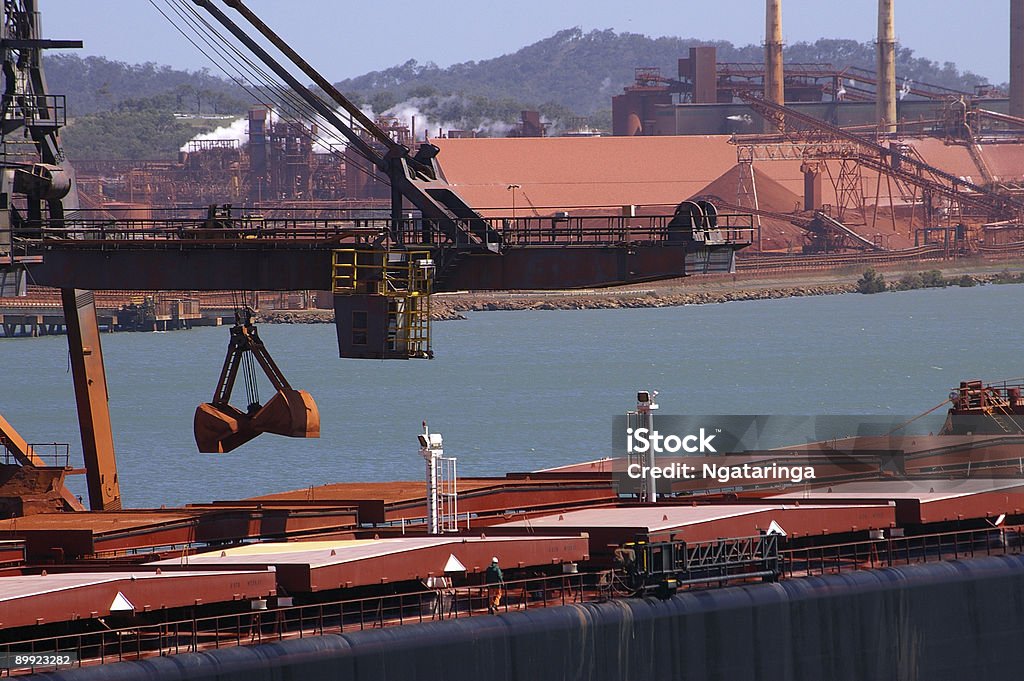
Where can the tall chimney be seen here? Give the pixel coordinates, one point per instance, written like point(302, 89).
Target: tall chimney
point(773, 78)
point(1017, 58)
point(885, 65)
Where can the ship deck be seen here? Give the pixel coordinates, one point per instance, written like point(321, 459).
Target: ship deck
point(36, 599)
point(617, 525)
point(311, 566)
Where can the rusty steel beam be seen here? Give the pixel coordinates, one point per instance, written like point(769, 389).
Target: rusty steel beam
point(187, 269)
point(536, 267)
point(91, 395)
point(561, 268)
point(17, 446)
point(26, 456)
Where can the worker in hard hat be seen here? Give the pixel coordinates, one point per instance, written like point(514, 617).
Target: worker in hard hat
point(495, 581)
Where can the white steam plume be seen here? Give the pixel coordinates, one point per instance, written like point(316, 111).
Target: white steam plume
point(237, 130)
point(415, 106)
point(407, 110)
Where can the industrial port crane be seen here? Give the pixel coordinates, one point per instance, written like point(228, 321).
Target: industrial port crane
point(381, 272)
point(412, 178)
point(37, 187)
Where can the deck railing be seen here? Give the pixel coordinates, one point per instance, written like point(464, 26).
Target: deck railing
point(276, 619)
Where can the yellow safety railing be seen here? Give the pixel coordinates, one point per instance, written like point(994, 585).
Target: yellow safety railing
point(405, 278)
point(344, 271)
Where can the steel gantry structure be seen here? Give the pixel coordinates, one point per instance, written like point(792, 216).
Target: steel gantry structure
point(804, 137)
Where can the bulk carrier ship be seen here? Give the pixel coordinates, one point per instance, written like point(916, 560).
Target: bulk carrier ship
point(901, 562)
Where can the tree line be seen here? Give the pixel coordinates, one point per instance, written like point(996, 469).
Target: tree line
point(120, 110)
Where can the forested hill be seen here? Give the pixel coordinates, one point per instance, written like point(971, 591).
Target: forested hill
point(581, 71)
point(572, 69)
point(93, 84)
point(119, 110)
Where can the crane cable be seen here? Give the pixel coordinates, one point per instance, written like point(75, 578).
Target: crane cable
point(230, 60)
point(240, 72)
point(243, 317)
point(302, 110)
point(239, 68)
point(248, 69)
point(245, 67)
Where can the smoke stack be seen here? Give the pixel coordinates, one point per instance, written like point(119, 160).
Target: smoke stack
point(773, 77)
point(885, 65)
point(1017, 58)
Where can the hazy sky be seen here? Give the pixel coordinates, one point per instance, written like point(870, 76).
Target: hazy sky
point(345, 39)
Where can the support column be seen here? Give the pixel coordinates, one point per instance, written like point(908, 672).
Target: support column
point(91, 396)
point(774, 78)
point(812, 185)
point(885, 100)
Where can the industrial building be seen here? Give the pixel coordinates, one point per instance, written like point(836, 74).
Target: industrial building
point(817, 152)
point(278, 164)
point(829, 182)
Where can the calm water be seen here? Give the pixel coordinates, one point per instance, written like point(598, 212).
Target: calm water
point(518, 390)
